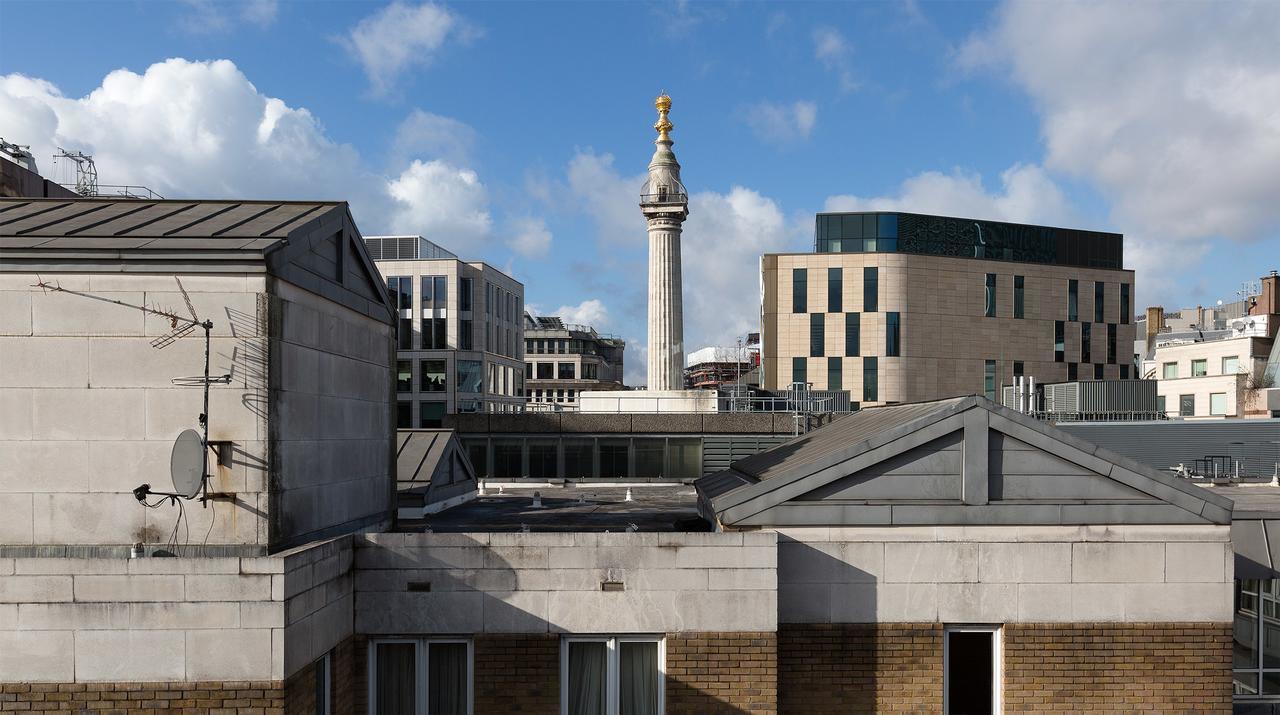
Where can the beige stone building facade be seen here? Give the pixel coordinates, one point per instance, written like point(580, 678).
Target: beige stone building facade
point(891, 326)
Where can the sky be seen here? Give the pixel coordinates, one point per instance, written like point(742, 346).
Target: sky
point(519, 133)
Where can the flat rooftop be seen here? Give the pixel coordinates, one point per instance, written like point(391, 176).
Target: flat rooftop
point(571, 509)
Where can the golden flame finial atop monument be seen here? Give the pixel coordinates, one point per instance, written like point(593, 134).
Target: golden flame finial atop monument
point(663, 125)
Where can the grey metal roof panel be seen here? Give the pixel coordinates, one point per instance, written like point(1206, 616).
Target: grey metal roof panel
point(58, 218)
point(198, 243)
point(105, 243)
point(22, 241)
point(280, 221)
point(225, 223)
point(39, 222)
point(86, 222)
point(18, 211)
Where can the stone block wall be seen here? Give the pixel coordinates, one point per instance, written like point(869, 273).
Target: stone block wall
point(722, 673)
point(859, 667)
point(1162, 667)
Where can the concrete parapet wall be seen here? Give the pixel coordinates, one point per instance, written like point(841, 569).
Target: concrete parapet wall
point(563, 583)
point(1043, 574)
point(603, 423)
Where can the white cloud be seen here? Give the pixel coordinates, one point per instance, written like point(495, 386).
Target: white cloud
point(529, 237)
point(610, 198)
point(201, 129)
point(208, 16)
point(426, 134)
point(1168, 110)
point(1026, 195)
point(782, 122)
point(589, 312)
point(401, 36)
point(832, 49)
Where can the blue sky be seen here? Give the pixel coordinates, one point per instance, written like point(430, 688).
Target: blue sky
point(517, 132)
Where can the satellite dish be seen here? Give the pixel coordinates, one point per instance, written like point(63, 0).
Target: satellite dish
point(187, 463)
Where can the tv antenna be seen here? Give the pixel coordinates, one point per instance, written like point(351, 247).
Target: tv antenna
point(86, 171)
point(188, 462)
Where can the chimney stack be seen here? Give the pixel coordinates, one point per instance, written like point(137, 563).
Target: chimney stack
point(1155, 323)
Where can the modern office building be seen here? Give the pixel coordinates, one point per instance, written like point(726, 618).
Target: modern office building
point(899, 307)
point(563, 359)
point(458, 331)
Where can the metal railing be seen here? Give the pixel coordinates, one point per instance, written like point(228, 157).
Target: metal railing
point(665, 197)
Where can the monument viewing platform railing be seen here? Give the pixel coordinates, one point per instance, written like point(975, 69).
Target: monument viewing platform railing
point(666, 197)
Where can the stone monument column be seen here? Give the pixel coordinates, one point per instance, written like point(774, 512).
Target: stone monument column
point(665, 205)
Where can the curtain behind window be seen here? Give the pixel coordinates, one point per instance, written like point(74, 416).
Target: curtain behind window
point(586, 678)
point(447, 679)
point(638, 678)
point(395, 679)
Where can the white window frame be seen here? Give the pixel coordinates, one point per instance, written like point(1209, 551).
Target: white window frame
point(1225, 358)
point(420, 654)
point(1223, 413)
point(997, 665)
point(1164, 371)
point(611, 668)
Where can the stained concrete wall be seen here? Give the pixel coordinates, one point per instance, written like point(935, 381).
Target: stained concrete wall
point(89, 409)
point(546, 582)
point(172, 619)
point(1005, 574)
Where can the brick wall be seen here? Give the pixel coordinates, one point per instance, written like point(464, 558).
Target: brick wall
point(859, 667)
point(722, 673)
point(261, 697)
point(517, 674)
point(1167, 667)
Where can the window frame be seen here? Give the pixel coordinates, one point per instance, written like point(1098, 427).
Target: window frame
point(997, 665)
point(1212, 411)
point(1203, 363)
point(1164, 370)
point(612, 654)
point(421, 652)
point(1236, 358)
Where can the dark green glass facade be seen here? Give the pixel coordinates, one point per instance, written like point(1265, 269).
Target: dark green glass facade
point(962, 237)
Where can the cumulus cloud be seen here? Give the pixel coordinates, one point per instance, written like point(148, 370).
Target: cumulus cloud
point(401, 36)
point(589, 312)
point(1169, 111)
point(782, 122)
point(202, 129)
point(529, 237)
point(835, 53)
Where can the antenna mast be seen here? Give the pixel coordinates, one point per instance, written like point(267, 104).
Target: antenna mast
point(86, 171)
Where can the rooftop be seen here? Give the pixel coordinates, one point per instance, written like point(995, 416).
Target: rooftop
point(667, 507)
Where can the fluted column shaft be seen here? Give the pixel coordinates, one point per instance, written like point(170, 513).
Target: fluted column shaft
point(666, 322)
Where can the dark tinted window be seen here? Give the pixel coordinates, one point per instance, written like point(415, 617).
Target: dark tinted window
point(870, 289)
point(799, 290)
point(870, 380)
point(799, 371)
point(835, 290)
point(817, 333)
point(892, 335)
point(852, 333)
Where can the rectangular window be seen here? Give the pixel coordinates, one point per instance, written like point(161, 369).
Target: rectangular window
point(1086, 342)
point(1124, 304)
point(1160, 404)
point(892, 335)
point(1187, 405)
point(799, 290)
point(411, 676)
point(323, 684)
point(400, 289)
point(870, 380)
point(852, 333)
point(404, 415)
point(1099, 302)
point(684, 457)
point(564, 371)
point(1111, 343)
point(1073, 300)
point(1218, 404)
point(1017, 369)
point(464, 294)
point(833, 374)
point(590, 371)
point(470, 376)
point(466, 340)
point(430, 414)
point(612, 676)
point(431, 375)
point(989, 379)
point(1231, 365)
point(817, 333)
point(546, 371)
point(971, 665)
point(835, 290)
point(1099, 372)
point(870, 289)
point(1124, 372)
point(799, 370)
point(404, 376)
point(1169, 370)
point(1199, 368)
point(990, 296)
point(1059, 341)
point(1019, 296)
point(1073, 371)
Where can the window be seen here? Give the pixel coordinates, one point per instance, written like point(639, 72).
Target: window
point(852, 333)
point(1124, 372)
point(1073, 300)
point(1199, 367)
point(464, 294)
point(590, 371)
point(989, 379)
point(1019, 296)
point(1160, 404)
point(420, 677)
point(892, 335)
point(470, 376)
point(564, 371)
point(430, 414)
point(1099, 302)
point(400, 289)
point(545, 370)
point(611, 676)
point(404, 415)
point(324, 685)
point(1059, 341)
point(1218, 404)
point(817, 333)
point(799, 290)
point(1187, 405)
point(1086, 342)
point(870, 289)
point(990, 295)
point(1256, 646)
point(835, 290)
point(870, 380)
point(1169, 371)
point(799, 373)
point(971, 669)
point(465, 339)
point(1231, 365)
point(404, 376)
point(1073, 371)
point(684, 457)
point(1111, 343)
point(1124, 304)
point(543, 458)
point(833, 374)
point(1099, 372)
point(1017, 368)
